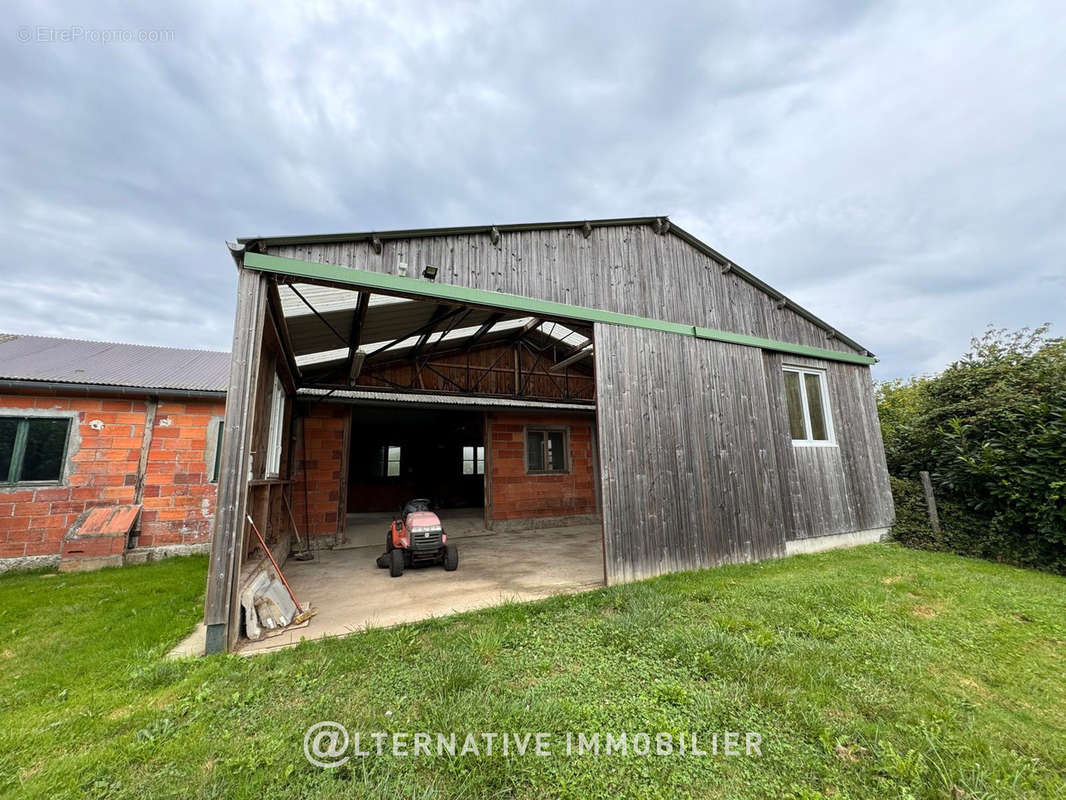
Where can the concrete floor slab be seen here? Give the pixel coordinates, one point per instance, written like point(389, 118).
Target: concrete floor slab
point(351, 593)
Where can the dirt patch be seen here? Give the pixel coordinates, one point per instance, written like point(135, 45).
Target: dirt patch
point(1022, 618)
point(849, 752)
point(925, 612)
point(892, 579)
point(976, 688)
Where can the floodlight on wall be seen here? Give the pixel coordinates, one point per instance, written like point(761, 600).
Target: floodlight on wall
point(429, 273)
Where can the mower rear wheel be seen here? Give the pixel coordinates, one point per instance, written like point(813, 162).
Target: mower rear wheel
point(396, 563)
point(451, 557)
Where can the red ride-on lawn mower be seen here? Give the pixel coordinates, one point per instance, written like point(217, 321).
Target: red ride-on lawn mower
point(417, 537)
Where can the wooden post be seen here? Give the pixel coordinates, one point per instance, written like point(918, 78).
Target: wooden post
point(220, 609)
point(930, 500)
point(146, 446)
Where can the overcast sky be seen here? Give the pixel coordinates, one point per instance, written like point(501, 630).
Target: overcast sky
point(899, 169)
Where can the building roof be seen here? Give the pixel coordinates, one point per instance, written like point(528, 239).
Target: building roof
point(45, 359)
point(661, 223)
point(372, 397)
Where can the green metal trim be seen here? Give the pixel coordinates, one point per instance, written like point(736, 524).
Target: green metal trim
point(783, 347)
point(511, 302)
point(674, 229)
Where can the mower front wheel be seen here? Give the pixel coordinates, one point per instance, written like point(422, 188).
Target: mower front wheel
point(451, 557)
point(396, 563)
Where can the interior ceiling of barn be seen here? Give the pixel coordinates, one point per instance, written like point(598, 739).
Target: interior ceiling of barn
point(321, 320)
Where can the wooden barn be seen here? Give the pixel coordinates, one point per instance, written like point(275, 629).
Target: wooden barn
point(613, 397)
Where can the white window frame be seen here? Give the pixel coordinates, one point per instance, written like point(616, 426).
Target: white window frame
point(477, 462)
point(823, 384)
point(385, 461)
point(277, 425)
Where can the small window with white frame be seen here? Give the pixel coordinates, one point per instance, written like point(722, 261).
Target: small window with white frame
point(390, 458)
point(277, 424)
point(809, 419)
point(474, 460)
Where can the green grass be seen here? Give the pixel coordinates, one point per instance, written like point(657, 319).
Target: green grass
point(873, 672)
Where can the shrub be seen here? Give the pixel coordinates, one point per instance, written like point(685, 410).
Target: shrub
point(992, 431)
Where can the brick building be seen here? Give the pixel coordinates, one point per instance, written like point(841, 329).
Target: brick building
point(109, 454)
point(129, 432)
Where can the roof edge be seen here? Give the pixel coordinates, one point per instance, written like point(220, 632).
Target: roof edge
point(28, 385)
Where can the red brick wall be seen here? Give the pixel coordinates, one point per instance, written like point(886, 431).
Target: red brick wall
point(324, 432)
point(179, 502)
point(179, 499)
point(516, 495)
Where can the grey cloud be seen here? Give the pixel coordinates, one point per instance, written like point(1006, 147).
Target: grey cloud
point(893, 167)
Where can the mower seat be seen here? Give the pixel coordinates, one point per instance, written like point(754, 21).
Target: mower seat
point(418, 504)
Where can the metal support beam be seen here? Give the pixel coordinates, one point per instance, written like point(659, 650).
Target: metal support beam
point(220, 609)
point(438, 313)
point(455, 323)
point(354, 338)
point(573, 359)
point(485, 328)
point(416, 332)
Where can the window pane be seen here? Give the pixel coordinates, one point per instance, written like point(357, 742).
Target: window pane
point(394, 462)
point(468, 467)
point(8, 426)
point(45, 442)
point(557, 451)
point(468, 453)
point(535, 451)
point(218, 452)
point(481, 461)
point(816, 407)
point(795, 406)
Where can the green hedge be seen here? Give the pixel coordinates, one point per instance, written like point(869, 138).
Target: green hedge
point(965, 531)
point(991, 429)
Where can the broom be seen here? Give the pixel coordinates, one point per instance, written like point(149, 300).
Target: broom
point(305, 554)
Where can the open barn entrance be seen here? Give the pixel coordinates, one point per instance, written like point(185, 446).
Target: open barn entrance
point(396, 454)
point(487, 413)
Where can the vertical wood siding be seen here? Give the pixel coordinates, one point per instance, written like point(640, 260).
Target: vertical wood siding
point(690, 477)
point(834, 489)
point(697, 465)
point(627, 268)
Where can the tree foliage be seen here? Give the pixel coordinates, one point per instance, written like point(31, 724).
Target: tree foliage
point(991, 429)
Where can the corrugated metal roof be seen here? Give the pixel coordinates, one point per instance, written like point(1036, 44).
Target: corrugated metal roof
point(43, 358)
point(386, 319)
point(414, 398)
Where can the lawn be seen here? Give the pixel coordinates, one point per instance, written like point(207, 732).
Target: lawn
point(873, 672)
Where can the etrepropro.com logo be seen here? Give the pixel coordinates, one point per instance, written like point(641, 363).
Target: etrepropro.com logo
point(327, 744)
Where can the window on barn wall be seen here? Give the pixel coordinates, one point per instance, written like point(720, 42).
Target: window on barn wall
point(389, 458)
point(277, 425)
point(473, 460)
point(807, 397)
point(218, 452)
point(547, 450)
point(33, 449)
